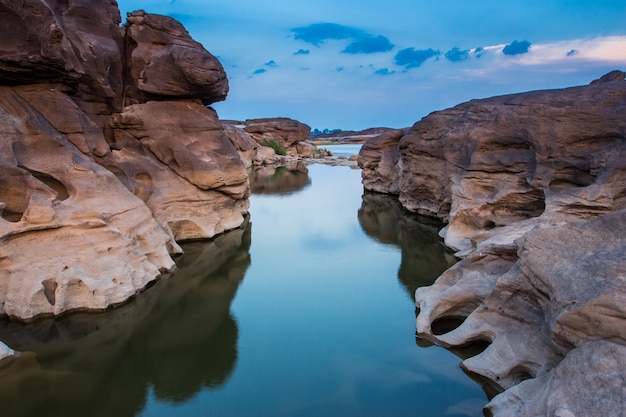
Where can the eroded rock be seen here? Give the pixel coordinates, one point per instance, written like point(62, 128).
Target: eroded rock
point(533, 188)
point(94, 195)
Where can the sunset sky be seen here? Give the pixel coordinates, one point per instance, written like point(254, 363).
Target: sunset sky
point(352, 65)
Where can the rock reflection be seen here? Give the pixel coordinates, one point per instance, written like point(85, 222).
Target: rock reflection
point(424, 257)
point(176, 338)
point(281, 180)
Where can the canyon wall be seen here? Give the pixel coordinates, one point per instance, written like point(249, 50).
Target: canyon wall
point(109, 154)
point(532, 187)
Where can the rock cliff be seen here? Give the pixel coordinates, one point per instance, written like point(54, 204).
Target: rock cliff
point(533, 190)
point(108, 153)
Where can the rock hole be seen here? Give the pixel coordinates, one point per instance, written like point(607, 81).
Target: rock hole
point(52, 183)
point(471, 349)
point(444, 325)
point(520, 373)
point(571, 177)
point(49, 290)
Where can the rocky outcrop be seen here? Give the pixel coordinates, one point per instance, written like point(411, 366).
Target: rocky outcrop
point(108, 154)
point(533, 189)
point(272, 142)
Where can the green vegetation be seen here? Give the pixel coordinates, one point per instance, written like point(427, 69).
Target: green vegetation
point(272, 143)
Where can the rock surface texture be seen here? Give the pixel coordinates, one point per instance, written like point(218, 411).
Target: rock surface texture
point(108, 155)
point(533, 190)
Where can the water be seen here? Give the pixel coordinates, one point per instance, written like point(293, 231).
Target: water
point(346, 150)
point(305, 311)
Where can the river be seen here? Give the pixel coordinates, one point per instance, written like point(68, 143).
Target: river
point(307, 310)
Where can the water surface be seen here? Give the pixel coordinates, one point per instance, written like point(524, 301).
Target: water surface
point(307, 310)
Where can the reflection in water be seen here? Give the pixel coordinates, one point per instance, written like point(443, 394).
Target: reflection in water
point(279, 180)
point(175, 338)
point(423, 257)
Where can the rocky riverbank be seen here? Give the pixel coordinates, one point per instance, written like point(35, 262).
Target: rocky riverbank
point(533, 190)
point(108, 154)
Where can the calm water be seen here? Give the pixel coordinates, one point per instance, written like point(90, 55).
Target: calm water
point(306, 311)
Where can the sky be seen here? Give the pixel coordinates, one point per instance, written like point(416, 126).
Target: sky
point(350, 65)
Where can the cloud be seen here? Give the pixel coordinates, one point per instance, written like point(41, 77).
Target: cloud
point(302, 52)
point(516, 48)
point(480, 51)
point(317, 33)
point(572, 52)
point(361, 41)
point(369, 45)
point(413, 58)
point(259, 71)
point(270, 63)
point(455, 54)
point(384, 71)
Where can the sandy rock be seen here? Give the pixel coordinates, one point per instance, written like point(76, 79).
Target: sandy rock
point(285, 131)
point(189, 139)
point(164, 61)
point(77, 43)
point(533, 188)
point(378, 158)
point(63, 197)
point(244, 143)
point(94, 195)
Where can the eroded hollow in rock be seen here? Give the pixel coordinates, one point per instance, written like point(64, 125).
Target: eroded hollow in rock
point(571, 177)
point(53, 183)
point(443, 325)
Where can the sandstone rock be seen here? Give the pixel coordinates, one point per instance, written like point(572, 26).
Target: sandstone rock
point(77, 43)
point(244, 143)
point(189, 139)
point(164, 61)
point(285, 131)
point(75, 237)
point(378, 159)
point(533, 188)
point(94, 195)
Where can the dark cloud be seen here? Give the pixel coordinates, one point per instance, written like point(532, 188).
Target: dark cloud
point(362, 42)
point(413, 58)
point(480, 51)
point(317, 33)
point(455, 54)
point(384, 71)
point(260, 71)
point(369, 45)
point(302, 52)
point(270, 63)
point(573, 52)
point(516, 48)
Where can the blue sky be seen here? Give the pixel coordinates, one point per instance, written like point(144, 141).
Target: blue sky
point(352, 65)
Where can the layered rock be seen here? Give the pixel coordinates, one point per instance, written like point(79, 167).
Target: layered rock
point(533, 189)
point(108, 154)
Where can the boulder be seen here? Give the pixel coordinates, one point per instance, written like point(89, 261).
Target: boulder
point(77, 43)
point(165, 62)
point(533, 189)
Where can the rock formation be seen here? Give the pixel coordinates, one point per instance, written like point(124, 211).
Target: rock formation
point(272, 141)
point(533, 190)
point(108, 154)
